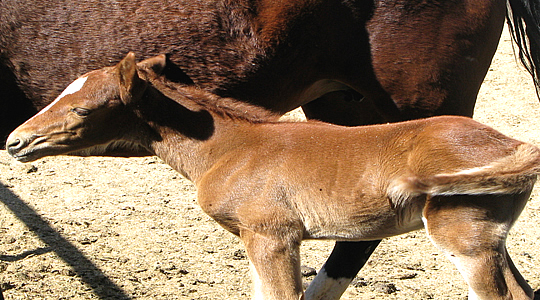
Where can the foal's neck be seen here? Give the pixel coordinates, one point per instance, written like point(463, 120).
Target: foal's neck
point(187, 135)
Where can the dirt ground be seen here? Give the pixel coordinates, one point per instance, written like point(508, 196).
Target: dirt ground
point(130, 228)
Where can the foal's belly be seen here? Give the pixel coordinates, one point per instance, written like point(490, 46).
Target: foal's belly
point(358, 232)
point(359, 222)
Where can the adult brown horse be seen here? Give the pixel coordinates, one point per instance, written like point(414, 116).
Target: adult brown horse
point(406, 58)
point(274, 184)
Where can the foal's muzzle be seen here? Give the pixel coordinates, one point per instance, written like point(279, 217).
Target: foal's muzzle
point(14, 145)
point(19, 147)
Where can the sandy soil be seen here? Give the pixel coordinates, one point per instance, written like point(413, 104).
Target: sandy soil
point(116, 228)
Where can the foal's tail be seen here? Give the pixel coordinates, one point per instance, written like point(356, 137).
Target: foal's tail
point(514, 173)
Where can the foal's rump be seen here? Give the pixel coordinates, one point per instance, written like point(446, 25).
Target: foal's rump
point(465, 158)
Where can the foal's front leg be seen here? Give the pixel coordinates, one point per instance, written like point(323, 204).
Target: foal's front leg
point(275, 265)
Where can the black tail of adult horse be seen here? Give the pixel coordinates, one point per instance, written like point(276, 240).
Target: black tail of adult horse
point(523, 18)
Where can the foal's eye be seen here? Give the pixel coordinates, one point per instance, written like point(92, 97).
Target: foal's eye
point(81, 112)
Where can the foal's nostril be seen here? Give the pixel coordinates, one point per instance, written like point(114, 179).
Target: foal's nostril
point(13, 145)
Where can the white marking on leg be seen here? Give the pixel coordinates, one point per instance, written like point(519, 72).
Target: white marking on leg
point(257, 283)
point(74, 87)
point(325, 287)
point(472, 295)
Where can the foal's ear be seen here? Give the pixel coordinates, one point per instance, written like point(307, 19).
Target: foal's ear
point(131, 86)
point(155, 64)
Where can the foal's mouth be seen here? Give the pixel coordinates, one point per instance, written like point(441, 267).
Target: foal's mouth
point(34, 153)
point(23, 155)
point(26, 154)
point(32, 148)
point(24, 158)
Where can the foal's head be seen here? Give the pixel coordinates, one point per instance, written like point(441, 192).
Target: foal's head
point(91, 111)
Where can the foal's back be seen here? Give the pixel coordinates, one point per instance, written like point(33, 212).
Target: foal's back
point(428, 146)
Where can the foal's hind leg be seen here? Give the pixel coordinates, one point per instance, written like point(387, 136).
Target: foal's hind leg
point(472, 230)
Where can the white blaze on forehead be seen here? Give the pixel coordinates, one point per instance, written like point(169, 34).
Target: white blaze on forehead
point(74, 87)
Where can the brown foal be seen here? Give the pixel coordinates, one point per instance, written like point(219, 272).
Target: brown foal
point(274, 184)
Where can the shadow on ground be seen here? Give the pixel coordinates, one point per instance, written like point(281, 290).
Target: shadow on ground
point(85, 269)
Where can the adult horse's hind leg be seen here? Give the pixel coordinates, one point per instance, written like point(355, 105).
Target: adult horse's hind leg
point(348, 108)
point(340, 268)
point(472, 230)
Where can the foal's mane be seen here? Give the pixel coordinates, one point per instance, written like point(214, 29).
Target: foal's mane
point(204, 100)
